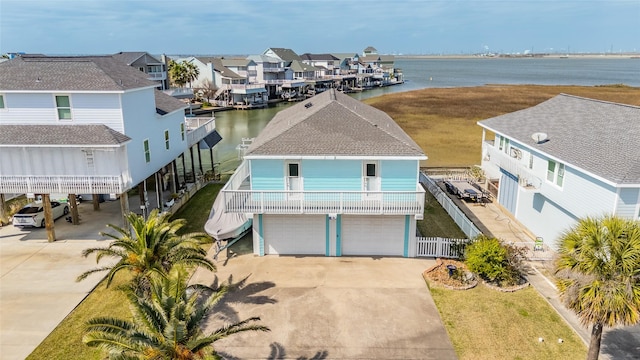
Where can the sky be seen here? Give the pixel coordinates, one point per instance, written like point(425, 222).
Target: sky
point(242, 27)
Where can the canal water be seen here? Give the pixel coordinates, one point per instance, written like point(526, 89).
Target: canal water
point(234, 125)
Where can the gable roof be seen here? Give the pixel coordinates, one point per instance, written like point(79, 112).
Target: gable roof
point(263, 59)
point(299, 66)
point(285, 54)
point(130, 57)
point(333, 124)
point(237, 62)
point(599, 137)
point(60, 135)
point(223, 70)
point(70, 73)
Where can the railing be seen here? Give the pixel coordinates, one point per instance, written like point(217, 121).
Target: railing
point(440, 247)
point(179, 92)
point(526, 178)
point(467, 226)
point(198, 128)
point(324, 202)
point(247, 86)
point(271, 69)
point(157, 75)
point(65, 184)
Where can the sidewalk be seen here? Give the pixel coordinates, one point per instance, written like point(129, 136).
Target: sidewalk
point(617, 343)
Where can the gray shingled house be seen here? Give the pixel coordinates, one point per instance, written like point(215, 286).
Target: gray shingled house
point(564, 159)
point(330, 176)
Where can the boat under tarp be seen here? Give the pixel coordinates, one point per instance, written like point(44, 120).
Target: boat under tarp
point(223, 225)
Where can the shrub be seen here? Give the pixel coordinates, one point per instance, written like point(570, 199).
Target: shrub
point(495, 262)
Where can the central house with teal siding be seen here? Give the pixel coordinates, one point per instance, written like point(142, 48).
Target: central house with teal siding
point(330, 176)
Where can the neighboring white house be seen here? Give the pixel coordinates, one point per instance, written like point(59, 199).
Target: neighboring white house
point(564, 159)
point(88, 125)
point(155, 69)
point(330, 176)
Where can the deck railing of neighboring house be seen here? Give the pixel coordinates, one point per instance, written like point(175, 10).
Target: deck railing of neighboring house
point(198, 128)
point(273, 69)
point(157, 75)
point(61, 184)
point(179, 92)
point(318, 202)
point(526, 178)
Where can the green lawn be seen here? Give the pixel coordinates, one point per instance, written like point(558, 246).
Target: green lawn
point(65, 342)
point(437, 223)
point(483, 323)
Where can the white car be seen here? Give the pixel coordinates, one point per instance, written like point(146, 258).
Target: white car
point(33, 214)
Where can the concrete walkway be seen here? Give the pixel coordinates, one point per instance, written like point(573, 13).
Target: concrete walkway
point(37, 278)
point(617, 343)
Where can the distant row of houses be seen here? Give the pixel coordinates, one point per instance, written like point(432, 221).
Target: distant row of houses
point(277, 73)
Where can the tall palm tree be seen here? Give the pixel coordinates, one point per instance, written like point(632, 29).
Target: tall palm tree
point(176, 73)
point(191, 72)
point(599, 274)
point(150, 249)
point(167, 325)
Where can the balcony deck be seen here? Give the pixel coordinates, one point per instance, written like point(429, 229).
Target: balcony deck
point(198, 128)
point(238, 199)
point(61, 184)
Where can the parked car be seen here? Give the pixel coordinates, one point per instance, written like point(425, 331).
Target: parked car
point(33, 214)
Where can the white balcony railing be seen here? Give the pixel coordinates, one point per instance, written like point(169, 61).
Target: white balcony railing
point(325, 202)
point(270, 70)
point(318, 202)
point(157, 75)
point(184, 92)
point(198, 128)
point(526, 178)
point(64, 184)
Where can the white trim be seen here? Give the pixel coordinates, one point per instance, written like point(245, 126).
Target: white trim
point(62, 145)
point(80, 91)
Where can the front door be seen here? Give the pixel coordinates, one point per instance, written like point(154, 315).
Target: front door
point(294, 181)
point(371, 180)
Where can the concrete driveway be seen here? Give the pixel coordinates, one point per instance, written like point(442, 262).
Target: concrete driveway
point(331, 308)
point(37, 278)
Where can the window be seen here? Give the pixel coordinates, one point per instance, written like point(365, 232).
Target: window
point(64, 107)
point(294, 170)
point(371, 169)
point(147, 152)
point(182, 131)
point(1, 101)
point(530, 160)
point(166, 139)
point(506, 146)
point(555, 173)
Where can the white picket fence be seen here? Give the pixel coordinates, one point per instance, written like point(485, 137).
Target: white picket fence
point(440, 247)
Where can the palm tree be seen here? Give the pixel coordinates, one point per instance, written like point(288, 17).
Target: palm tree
point(191, 72)
point(176, 73)
point(599, 274)
point(150, 249)
point(167, 325)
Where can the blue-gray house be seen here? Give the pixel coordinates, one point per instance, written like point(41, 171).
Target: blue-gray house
point(330, 176)
point(564, 159)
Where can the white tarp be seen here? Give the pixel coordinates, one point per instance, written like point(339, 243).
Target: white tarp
point(222, 225)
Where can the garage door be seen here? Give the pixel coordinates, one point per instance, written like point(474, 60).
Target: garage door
point(373, 235)
point(294, 234)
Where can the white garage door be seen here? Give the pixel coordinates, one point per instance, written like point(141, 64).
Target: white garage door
point(294, 234)
point(373, 235)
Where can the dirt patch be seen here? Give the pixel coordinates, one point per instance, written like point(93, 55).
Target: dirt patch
point(451, 274)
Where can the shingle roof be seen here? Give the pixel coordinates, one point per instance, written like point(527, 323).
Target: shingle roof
point(263, 59)
point(285, 54)
point(299, 66)
point(333, 123)
point(223, 70)
point(129, 57)
point(166, 104)
point(318, 57)
point(236, 62)
point(600, 137)
point(80, 73)
point(60, 135)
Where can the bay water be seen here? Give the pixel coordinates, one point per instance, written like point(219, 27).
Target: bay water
point(234, 125)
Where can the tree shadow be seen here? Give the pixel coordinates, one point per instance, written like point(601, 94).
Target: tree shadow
point(240, 292)
point(622, 343)
point(279, 352)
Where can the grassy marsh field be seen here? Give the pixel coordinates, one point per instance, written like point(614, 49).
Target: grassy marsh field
point(443, 120)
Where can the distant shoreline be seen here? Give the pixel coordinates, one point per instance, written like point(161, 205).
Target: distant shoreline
point(536, 56)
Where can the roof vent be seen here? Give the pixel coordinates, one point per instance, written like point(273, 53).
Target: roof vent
point(540, 137)
point(308, 105)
